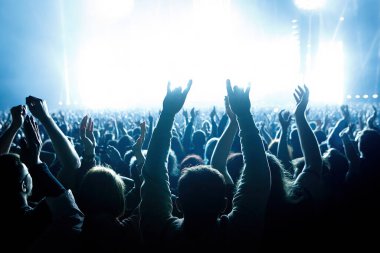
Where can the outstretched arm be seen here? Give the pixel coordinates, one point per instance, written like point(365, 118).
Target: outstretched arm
point(156, 204)
point(64, 149)
point(137, 147)
point(6, 139)
point(310, 176)
point(371, 120)
point(352, 156)
point(333, 139)
point(250, 200)
point(282, 149)
point(223, 146)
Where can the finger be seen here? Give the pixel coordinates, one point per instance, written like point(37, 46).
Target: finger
point(187, 89)
point(229, 88)
point(296, 98)
point(306, 88)
point(248, 89)
point(91, 126)
point(88, 125)
point(168, 87)
point(299, 92)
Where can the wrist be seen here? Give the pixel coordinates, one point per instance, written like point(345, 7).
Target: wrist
point(14, 126)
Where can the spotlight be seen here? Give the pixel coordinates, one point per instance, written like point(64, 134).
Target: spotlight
point(375, 96)
point(357, 96)
point(365, 96)
point(348, 96)
point(341, 18)
point(309, 4)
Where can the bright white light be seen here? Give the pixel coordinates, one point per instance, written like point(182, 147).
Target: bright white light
point(348, 96)
point(357, 96)
point(365, 96)
point(109, 10)
point(341, 18)
point(294, 21)
point(326, 80)
point(375, 96)
point(131, 67)
point(309, 4)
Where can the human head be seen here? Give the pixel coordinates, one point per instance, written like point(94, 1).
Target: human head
point(199, 138)
point(17, 179)
point(369, 144)
point(201, 192)
point(191, 161)
point(102, 192)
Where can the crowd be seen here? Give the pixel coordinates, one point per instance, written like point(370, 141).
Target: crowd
point(184, 180)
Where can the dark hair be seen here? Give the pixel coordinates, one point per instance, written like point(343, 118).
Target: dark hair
point(199, 138)
point(235, 165)
point(191, 161)
point(202, 191)
point(102, 192)
point(12, 171)
point(369, 143)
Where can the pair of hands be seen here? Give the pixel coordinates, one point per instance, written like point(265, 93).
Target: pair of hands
point(32, 143)
point(238, 100)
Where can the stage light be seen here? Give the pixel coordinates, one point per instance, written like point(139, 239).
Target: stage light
point(357, 96)
point(309, 4)
point(375, 96)
point(341, 18)
point(348, 96)
point(365, 96)
point(326, 78)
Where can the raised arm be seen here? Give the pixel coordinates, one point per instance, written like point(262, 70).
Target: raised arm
point(214, 126)
point(310, 176)
point(352, 156)
point(137, 147)
point(333, 139)
point(223, 146)
point(371, 124)
point(282, 149)
point(250, 200)
point(186, 141)
point(18, 115)
point(156, 204)
point(64, 149)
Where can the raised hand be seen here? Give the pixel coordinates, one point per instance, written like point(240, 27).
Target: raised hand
point(37, 107)
point(284, 118)
point(185, 114)
point(150, 118)
point(31, 145)
point(238, 99)
point(193, 113)
point(372, 118)
point(175, 99)
point(18, 116)
point(136, 148)
point(301, 95)
point(345, 112)
point(87, 136)
point(113, 154)
point(231, 115)
point(213, 113)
